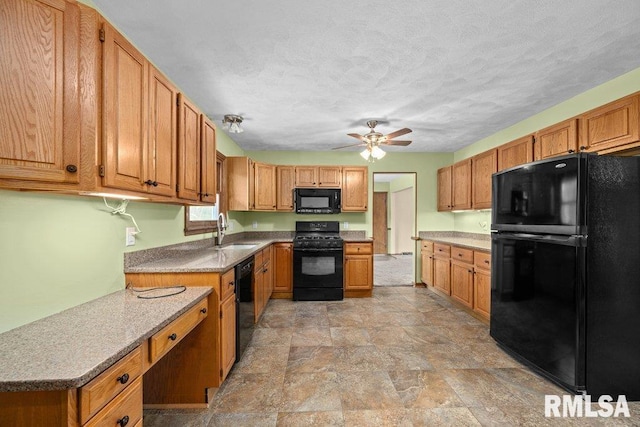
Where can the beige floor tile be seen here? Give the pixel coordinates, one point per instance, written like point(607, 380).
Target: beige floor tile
point(478, 387)
point(310, 359)
point(358, 358)
point(305, 392)
point(404, 358)
point(345, 318)
point(311, 336)
point(378, 418)
point(256, 360)
point(262, 419)
point(350, 336)
point(268, 337)
point(424, 389)
point(446, 417)
point(249, 393)
point(311, 419)
point(368, 390)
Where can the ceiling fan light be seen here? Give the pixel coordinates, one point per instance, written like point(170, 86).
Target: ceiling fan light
point(365, 153)
point(235, 128)
point(231, 123)
point(377, 153)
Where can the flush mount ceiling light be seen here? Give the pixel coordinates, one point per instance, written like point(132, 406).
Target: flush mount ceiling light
point(231, 123)
point(372, 153)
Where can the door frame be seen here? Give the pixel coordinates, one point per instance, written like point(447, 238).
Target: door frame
point(386, 223)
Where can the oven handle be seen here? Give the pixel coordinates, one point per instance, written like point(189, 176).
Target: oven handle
point(573, 240)
point(317, 250)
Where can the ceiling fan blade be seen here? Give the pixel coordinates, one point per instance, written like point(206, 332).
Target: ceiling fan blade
point(347, 146)
point(402, 131)
point(403, 143)
point(357, 136)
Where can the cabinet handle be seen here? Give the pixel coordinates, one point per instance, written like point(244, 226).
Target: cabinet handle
point(571, 151)
point(470, 271)
point(583, 147)
point(459, 254)
point(486, 261)
point(123, 421)
point(230, 283)
point(123, 379)
point(173, 337)
point(72, 168)
point(203, 310)
point(153, 183)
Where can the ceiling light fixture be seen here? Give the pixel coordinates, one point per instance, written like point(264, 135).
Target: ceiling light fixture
point(231, 123)
point(372, 153)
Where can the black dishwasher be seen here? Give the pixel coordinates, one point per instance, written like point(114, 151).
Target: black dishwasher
point(244, 305)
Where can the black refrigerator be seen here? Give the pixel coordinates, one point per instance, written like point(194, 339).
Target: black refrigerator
point(565, 279)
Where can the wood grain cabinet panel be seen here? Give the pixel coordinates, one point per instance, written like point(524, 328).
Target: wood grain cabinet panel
point(611, 126)
point(445, 200)
point(125, 409)
point(306, 176)
point(482, 284)
point(462, 282)
point(329, 176)
point(358, 272)
point(461, 185)
point(515, 153)
point(227, 335)
point(355, 189)
point(556, 140)
point(39, 99)
point(283, 267)
point(482, 167)
point(442, 274)
point(426, 255)
point(189, 149)
point(285, 183)
point(265, 187)
point(208, 174)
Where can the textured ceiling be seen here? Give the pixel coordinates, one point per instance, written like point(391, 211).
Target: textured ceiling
point(304, 74)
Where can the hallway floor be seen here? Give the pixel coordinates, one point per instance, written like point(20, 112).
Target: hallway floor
point(393, 270)
point(404, 357)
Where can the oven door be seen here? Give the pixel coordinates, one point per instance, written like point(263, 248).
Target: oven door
point(317, 268)
point(538, 302)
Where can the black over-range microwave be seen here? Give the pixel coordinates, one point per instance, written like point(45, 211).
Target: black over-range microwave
point(317, 200)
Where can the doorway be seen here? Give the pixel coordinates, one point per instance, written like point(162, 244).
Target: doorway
point(394, 225)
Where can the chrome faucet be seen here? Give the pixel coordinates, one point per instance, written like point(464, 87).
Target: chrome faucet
point(222, 227)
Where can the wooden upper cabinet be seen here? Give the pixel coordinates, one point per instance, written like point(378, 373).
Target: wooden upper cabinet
point(208, 184)
point(125, 116)
point(355, 189)
point(285, 178)
point(162, 148)
point(556, 140)
point(39, 99)
point(611, 126)
point(240, 183)
point(483, 166)
point(306, 176)
point(329, 176)
point(461, 185)
point(188, 150)
point(515, 153)
point(265, 187)
point(445, 202)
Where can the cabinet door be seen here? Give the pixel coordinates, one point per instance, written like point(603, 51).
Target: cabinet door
point(462, 283)
point(358, 272)
point(482, 167)
point(556, 140)
point(355, 189)
point(427, 268)
point(285, 177)
point(610, 126)
point(482, 292)
point(125, 116)
point(442, 275)
point(515, 153)
point(208, 184)
point(329, 176)
point(188, 150)
point(283, 267)
point(306, 176)
point(258, 293)
point(227, 335)
point(265, 187)
point(39, 99)
point(461, 185)
point(445, 202)
point(163, 136)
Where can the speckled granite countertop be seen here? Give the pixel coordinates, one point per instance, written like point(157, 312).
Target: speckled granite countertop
point(68, 349)
point(479, 242)
point(201, 257)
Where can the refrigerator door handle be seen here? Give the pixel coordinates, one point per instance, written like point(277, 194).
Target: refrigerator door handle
point(573, 240)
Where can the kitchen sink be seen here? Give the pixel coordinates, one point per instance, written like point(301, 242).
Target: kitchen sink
point(240, 246)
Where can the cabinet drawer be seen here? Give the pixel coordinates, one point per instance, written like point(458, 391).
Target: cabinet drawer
point(482, 260)
point(125, 409)
point(358, 248)
point(426, 246)
point(441, 251)
point(266, 255)
point(99, 391)
point(462, 255)
point(257, 261)
point(227, 284)
point(170, 335)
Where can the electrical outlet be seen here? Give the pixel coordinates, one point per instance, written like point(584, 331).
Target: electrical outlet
point(230, 225)
point(255, 224)
point(345, 225)
point(130, 236)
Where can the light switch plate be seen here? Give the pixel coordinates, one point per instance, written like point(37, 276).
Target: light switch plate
point(255, 224)
point(345, 225)
point(130, 236)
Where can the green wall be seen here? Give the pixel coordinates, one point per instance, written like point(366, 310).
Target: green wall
point(617, 88)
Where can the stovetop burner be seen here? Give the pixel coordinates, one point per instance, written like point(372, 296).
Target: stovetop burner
point(317, 235)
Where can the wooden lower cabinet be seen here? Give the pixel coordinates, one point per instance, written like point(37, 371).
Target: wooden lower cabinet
point(358, 269)
point(482, 284)
point(227, 335)
point(426, 255)
point(263, 282)
point(282, 270)
point(462, 283)
point(442, 274)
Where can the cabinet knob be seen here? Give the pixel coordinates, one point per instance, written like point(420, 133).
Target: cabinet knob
point(231, 283)
point(152, 183)
point(123, 421)
point(571, 151)
point(123, 379)
point(583, 147)
point(486, 261)
point(173, 337)
point(72, 168)
point(203, 310)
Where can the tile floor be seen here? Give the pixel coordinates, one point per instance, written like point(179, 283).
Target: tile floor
point(393, 270)
point(405, 357)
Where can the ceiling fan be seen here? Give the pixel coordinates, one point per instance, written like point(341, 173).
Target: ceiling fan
point(373, 140)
